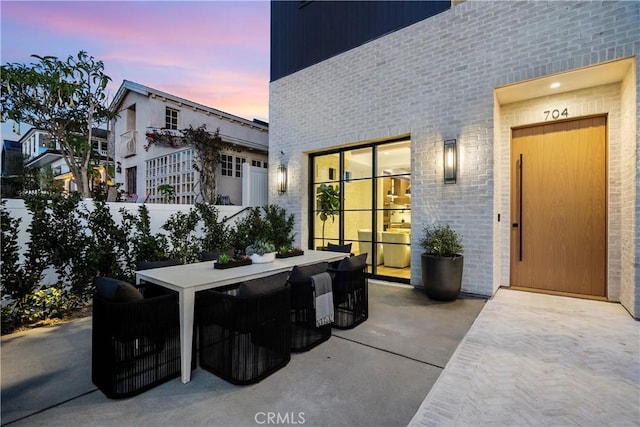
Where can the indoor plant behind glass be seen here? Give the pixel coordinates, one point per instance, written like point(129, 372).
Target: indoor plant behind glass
point(442, 262)
point(328, 204)
point(261, 252)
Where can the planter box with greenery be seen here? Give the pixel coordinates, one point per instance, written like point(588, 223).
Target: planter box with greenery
point(288, 252)
point(442, 262)
point(224, 262)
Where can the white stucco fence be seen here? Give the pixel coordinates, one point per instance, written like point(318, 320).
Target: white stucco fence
point(158, 215)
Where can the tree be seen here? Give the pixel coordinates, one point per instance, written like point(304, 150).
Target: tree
point(328, 198)
point(209, 147)
point(65, 98)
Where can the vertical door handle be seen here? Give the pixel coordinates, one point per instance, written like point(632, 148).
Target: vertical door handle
point(520, 172)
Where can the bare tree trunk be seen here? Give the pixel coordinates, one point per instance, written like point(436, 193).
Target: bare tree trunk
point(208, 189)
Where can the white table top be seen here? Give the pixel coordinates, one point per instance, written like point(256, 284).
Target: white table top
point(201, 275)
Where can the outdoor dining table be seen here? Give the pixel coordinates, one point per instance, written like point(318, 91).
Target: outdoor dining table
point(187, 279)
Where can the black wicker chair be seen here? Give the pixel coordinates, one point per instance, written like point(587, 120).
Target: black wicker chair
point(304, 333)
point(350, 293)
point(244, 329)
point(150, 290)
point(332, 247)
point(135, 340)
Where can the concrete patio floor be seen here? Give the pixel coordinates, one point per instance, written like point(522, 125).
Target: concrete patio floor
point(376, 374)
point(518, 359)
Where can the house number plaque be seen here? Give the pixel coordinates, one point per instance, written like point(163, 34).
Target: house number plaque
point(556, 114)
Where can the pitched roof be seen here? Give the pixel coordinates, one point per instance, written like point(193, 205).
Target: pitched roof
point(129, 86)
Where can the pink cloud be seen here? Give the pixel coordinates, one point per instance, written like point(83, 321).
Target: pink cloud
point(214, 53)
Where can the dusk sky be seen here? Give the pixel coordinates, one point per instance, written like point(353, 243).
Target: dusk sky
point(215, 53)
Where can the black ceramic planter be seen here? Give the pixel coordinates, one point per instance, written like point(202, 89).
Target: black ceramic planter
point(442, 276)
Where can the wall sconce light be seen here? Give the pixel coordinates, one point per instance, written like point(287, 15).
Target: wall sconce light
point(450, 161)
point(282, 179)
point(118, 168)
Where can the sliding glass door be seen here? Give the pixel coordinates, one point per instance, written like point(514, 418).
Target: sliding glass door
point(371, 187)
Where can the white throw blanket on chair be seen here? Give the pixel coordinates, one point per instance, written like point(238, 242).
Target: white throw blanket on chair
point(323, 300)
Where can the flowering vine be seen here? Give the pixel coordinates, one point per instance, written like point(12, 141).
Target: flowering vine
point(165, 138)
point(208, 147)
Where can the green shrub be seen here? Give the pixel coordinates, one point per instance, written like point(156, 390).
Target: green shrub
point(181, 235)
point(69, 246)
point(145, 246)
point(19, 280)
point(216, 234)
point(278, 226)
point(247, 230)
point(441, 240)
point(48, 303)
point(107, 245)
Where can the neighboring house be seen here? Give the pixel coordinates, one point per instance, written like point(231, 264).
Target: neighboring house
point(11, 158)
point(40, 151)
point(540, 98)
point(142, 169)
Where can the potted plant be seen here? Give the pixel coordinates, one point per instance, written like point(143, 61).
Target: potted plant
point(328, 198)
point(442, 262)
point(261, 252)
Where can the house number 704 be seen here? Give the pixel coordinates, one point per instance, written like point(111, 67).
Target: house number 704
point(556, 114)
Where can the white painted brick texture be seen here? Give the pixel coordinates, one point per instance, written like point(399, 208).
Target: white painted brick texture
point(435, 80)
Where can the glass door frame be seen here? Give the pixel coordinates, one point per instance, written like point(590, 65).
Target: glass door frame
point(340, 180)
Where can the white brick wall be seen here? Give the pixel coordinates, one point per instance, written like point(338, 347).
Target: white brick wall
point(435, 80)
point(629, 188)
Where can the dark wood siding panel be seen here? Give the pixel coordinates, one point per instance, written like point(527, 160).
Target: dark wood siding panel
point(305, 33)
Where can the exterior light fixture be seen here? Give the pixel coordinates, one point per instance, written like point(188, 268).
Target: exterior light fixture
point(118, 168)
point(554, 85)
point(282, 179)
point(450, 161)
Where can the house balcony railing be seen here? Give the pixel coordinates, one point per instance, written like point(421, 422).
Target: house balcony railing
point(128, 141)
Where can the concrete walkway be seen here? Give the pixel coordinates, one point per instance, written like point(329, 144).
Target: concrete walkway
point(377, 374)
point(541, 360)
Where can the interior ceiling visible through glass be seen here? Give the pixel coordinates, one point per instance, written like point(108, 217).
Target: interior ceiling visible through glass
point(393, 159)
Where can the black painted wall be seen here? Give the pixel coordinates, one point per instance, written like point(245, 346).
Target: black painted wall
point(304, 33)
